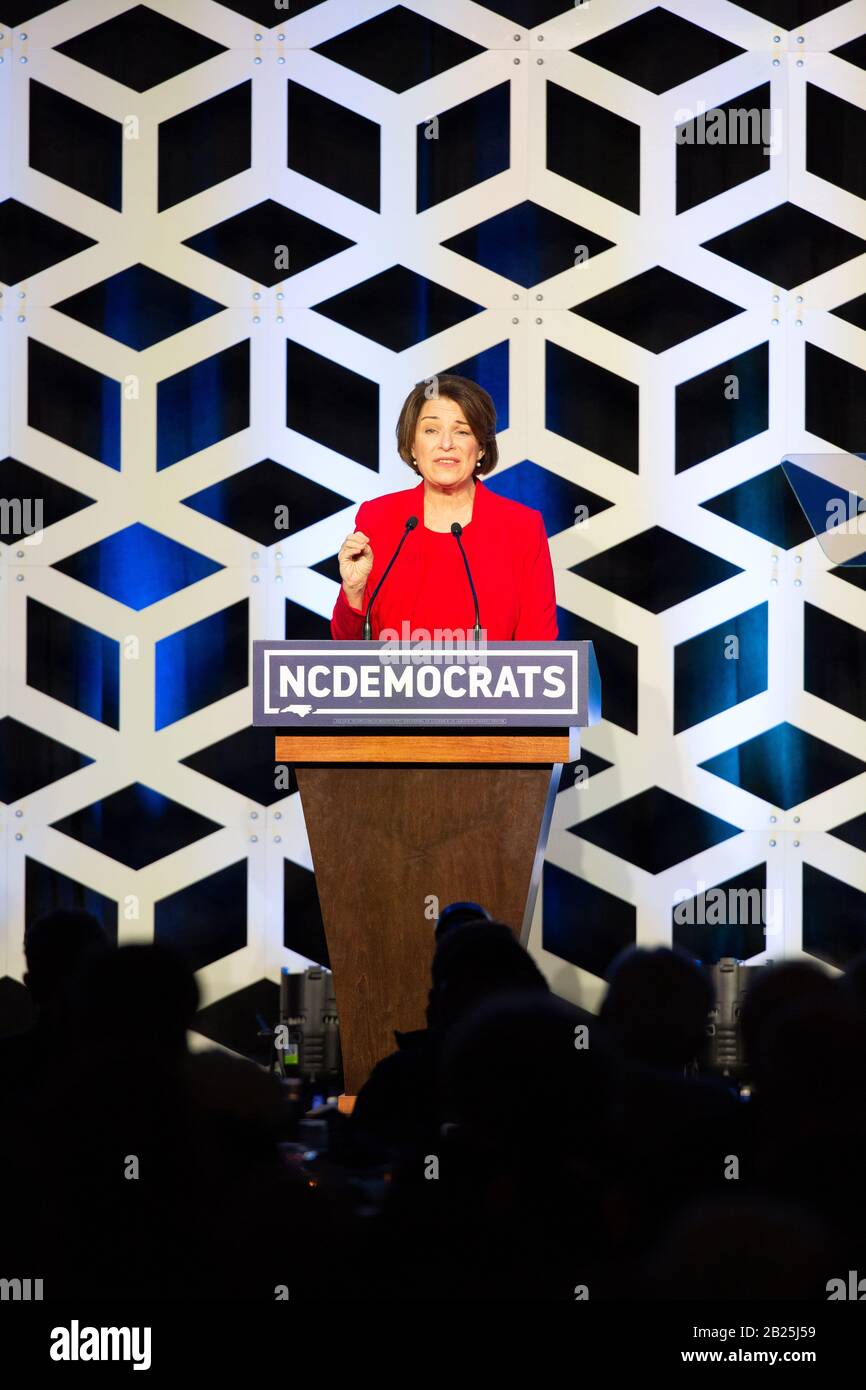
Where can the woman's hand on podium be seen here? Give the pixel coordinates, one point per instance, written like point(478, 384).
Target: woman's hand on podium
point(356, 562)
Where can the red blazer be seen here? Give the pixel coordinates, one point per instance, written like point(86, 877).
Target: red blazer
point(506, 546)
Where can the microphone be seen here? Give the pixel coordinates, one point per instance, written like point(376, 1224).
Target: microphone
point(411, 523)
point(457, 532)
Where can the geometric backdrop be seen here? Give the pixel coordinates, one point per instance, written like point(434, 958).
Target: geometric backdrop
point(231, 241)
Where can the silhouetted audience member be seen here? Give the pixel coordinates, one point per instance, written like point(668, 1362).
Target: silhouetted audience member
point(106, 1128)
point(809, 1109)
point(58, 946)
point(142, 1172)
point(134, 1004)
point(398, 1104)
point(524, 1068)
point(457, 914)
point(657, 1006)
point(513, 1212)
point(671, 1130)
point(774, 987)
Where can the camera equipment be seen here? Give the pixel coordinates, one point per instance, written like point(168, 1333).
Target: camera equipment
point(308, 1041)
point(731, 979)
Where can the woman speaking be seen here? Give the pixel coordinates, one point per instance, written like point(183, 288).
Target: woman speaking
point(455, 534)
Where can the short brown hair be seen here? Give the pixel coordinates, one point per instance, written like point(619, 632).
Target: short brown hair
point(477, 406)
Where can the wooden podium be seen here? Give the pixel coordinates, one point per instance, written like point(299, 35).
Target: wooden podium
point(416, 794)
point(401, 824)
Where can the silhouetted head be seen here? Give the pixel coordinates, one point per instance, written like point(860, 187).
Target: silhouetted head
point(475, 961)
point(57, 946)
point(457, 915)
point(139, 1000)
point(775, 987)
point(522, 1056)
point(657, 1006)
point(810, 1055)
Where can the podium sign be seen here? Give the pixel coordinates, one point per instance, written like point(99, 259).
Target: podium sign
point(388, 684)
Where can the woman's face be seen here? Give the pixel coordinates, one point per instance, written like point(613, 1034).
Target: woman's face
point(446, 451)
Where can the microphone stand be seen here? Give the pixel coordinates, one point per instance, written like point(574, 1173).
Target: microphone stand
point(411, 523)
point(457, 532)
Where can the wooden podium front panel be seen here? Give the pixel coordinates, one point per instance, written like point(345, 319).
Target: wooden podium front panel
point(388, 841)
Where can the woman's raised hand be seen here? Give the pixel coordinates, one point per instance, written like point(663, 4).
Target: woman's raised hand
point(356, 562)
